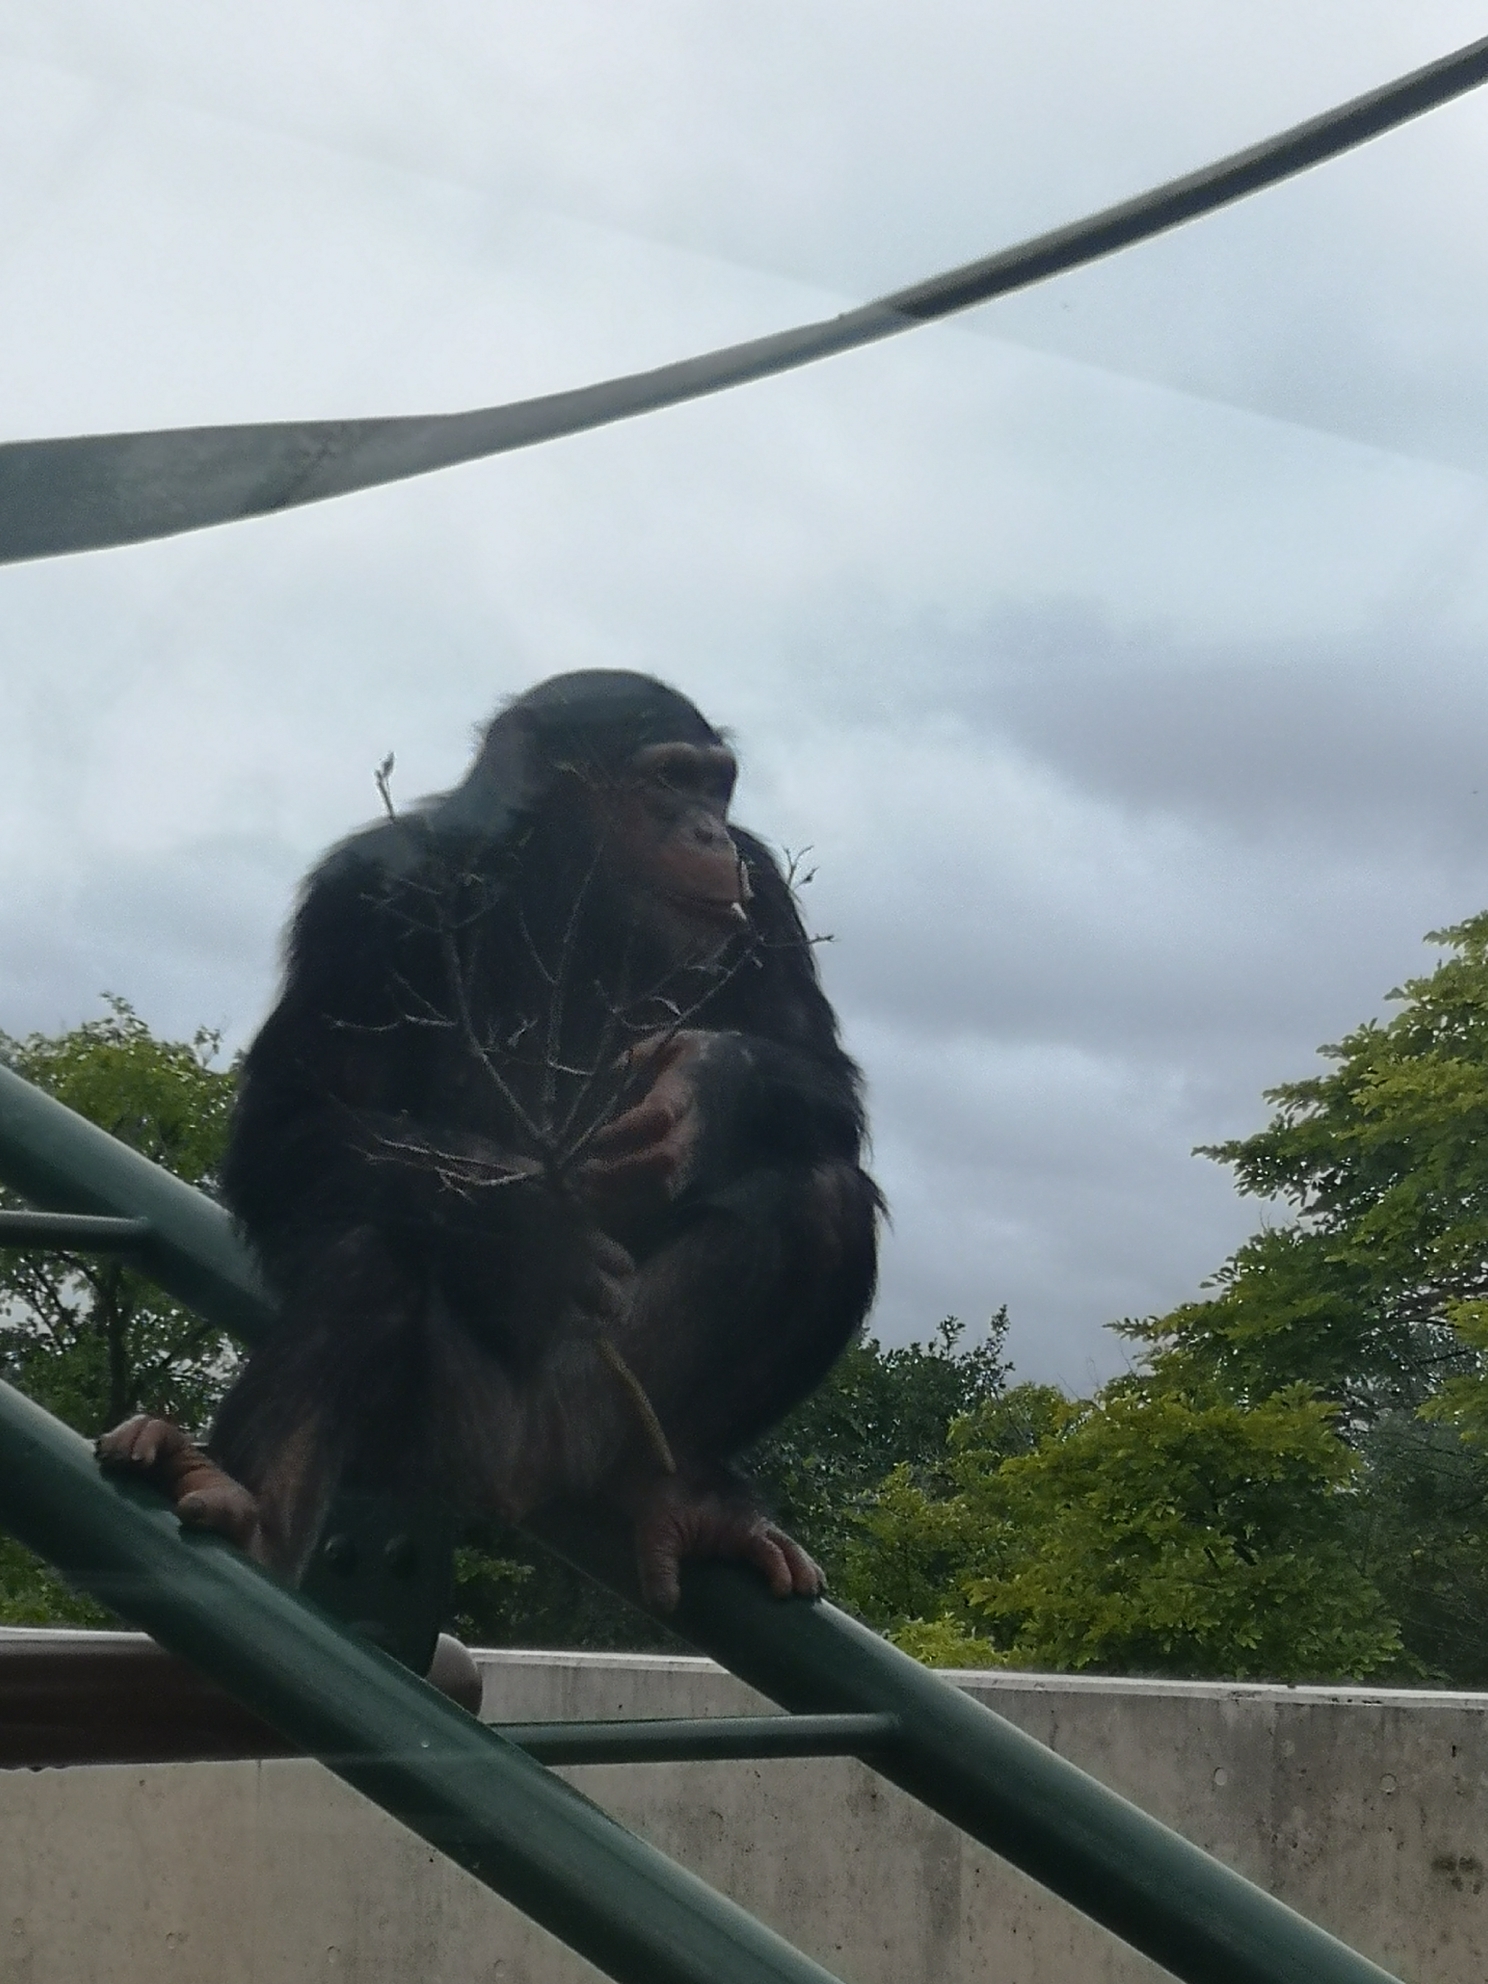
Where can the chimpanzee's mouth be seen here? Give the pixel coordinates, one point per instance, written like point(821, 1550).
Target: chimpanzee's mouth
point(713, 909)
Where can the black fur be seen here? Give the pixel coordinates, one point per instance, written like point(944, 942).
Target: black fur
point(441, 1314)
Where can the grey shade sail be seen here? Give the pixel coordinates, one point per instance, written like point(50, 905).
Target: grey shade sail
point(87, 492)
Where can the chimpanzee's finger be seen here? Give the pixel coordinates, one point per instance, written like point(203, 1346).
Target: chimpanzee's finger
point(651, 1117)
point(139, 1442)
point(116, 1447)
point(760, 1547)
point(614, 1262)
point(602, 1276)
point(660, 1051)
point(807, 1578)
point(659, 1569)
point(656, 1161)
point(225, 1506)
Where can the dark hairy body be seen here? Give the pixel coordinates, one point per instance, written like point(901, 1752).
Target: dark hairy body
point(552, 1154)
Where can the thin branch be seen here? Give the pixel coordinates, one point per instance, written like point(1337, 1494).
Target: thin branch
point(645, 1411)
point(562, 969)
point(472, 1041)
point(383, 779)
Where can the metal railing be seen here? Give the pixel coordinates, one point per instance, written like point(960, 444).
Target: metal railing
point(81, 492)
point(480, 1794)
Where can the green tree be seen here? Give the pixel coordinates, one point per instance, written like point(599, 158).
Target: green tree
point(1295, 1479)
point(880, 1408)
point(84, 1334)
point(1383, 1165)
point(1142, 1531)
point(1375, 1291)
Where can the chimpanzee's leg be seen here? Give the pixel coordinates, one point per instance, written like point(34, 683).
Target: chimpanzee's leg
point(728, 1325)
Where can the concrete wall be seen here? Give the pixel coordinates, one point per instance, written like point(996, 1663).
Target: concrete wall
point(1364, 1809)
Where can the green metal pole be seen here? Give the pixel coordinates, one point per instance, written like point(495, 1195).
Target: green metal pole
point(460, 1786)
point(1126, 1870)
point(67, 1164)
point(1186, 1911)
point(704, 1739)
point(1204, 1922)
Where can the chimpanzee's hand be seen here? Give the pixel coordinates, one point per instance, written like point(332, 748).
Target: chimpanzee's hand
point(169, 1459)
point(642, 1158)
point(548, 1272)
point(598, 1275)
point(675, 1519)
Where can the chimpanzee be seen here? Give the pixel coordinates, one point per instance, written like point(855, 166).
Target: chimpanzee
point(550, 1151)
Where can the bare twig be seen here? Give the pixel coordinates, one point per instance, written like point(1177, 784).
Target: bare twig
point(635, 1391)
point(459, 991)
point(382, 778)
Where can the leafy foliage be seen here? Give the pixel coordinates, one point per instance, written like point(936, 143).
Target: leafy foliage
point(879, 1409)
point(1293, 1482)
point(1420, 1530)
point(84, 1334)
point(1144, 1532)
point(1369, 1293)
point(31, 1594)
point(1376, 1292)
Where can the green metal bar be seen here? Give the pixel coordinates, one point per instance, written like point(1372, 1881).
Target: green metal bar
point(1111, 1860)
point(460, 1786)
point(702, 1739)
point(84, 1231)
point(64, 1163)
point(1204, 1922)
point(1186, 1911)
point(111, 1697)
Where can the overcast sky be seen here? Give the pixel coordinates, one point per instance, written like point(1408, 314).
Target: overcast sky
point(1118, 649)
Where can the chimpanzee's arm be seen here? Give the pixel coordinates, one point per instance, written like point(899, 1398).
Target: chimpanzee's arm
point(337, 1121)
point(758, 1253)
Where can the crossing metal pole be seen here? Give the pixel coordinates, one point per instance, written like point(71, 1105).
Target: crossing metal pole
point(1185, 1910)
point(476, 1797)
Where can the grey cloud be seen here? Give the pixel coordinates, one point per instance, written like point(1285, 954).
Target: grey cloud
point(1351, 751)
point(188, 936)
point(1374, 738)
point(854, 155)
point(1136, 735)
point(1056, 1182)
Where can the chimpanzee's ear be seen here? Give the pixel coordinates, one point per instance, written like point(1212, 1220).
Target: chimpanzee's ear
point(504, 782)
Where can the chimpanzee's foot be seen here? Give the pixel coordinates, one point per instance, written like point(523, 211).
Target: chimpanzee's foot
point(204, 1496)
point(675, 1520)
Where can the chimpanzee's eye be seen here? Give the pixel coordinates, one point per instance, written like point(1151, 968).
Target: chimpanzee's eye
point(689, 774)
